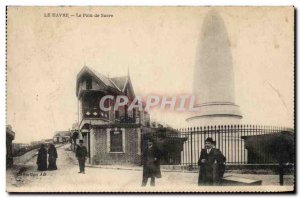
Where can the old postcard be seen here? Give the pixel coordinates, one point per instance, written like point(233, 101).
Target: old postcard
point(150, 99)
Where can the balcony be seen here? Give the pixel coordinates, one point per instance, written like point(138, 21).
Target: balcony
point(123, 119)
point(96, 114)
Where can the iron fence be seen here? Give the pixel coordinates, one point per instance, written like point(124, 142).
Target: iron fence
point(231, 140)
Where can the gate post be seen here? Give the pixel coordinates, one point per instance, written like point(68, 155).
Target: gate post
point(191, 147)
point(281, 173)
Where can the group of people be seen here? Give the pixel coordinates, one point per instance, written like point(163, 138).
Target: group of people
point(51, 154)
point(42, 158)
point(211, 163)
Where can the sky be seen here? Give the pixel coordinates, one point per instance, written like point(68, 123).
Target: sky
point(158, 45)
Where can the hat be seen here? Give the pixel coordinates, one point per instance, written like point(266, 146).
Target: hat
point(209, 139)
point(80, 141)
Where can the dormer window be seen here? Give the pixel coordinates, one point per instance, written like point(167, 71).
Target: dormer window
point(89, 83)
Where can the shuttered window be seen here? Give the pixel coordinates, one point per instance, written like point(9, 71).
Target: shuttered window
point(116, 144)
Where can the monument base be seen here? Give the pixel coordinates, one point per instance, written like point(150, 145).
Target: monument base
point(215, 113)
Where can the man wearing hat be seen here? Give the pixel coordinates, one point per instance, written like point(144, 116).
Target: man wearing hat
point(151, 164)
point(211, 164)
point(81, 154)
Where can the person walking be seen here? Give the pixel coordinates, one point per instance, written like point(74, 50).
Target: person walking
point(52, 157)
point(211, 164)
point(42, 158)
point(151, 164)
point(81, 154)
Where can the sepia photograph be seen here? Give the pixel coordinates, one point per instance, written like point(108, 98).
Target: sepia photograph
point(150, 99)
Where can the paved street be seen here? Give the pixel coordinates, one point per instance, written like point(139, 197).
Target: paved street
point(66, 178)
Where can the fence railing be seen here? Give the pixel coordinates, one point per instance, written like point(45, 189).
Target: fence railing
point(230, 139)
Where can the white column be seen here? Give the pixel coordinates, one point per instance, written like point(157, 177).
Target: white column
point(139, 141)
point(92, 144)
point(108, 140)
point(123, 140)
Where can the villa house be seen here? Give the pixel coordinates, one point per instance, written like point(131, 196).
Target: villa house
point(114, 136)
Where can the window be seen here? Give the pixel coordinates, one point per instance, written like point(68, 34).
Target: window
point(115, 140)
point(117, 116)
point(89, 83)
point(133, 114)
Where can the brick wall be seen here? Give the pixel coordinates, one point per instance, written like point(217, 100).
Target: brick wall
point(132, 148)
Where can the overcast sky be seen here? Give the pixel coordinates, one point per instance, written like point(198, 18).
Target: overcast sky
point(158, 45)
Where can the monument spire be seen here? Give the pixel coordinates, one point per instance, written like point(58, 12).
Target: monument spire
point(213, 83)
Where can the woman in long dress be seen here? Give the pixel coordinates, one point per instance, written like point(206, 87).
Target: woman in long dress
point(42, 158)
point(52, 157)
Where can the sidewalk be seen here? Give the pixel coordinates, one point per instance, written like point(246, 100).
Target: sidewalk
point(267, 179)
point(104, 178)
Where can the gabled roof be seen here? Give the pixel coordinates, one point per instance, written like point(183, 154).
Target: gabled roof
point(99, 77)
point(104, 79)
point(120, 82)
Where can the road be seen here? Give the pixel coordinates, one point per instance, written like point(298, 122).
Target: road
point(67, 179)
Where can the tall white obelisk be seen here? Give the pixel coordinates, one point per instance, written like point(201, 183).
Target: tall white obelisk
point(213, 76)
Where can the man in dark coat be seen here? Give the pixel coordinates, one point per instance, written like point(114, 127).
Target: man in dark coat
point(211, 164)
point(52, 157)
point(151, 164)
point(81, 154)
point(42, 158)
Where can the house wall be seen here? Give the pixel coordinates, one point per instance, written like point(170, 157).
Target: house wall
point(9, 157)
point(101, 154)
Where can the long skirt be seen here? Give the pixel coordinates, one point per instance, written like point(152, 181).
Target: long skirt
point(52, 163)
point(42, 166)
